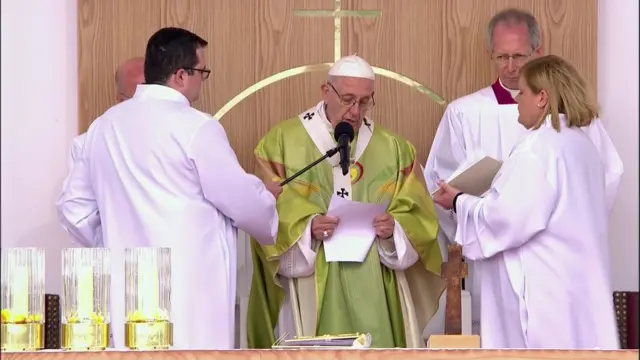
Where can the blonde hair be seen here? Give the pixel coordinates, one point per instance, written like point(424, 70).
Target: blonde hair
point(567, 90)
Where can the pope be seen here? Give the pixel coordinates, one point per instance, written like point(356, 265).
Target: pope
point(295, 290)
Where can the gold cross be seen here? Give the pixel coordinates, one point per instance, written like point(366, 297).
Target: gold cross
point(337, 13)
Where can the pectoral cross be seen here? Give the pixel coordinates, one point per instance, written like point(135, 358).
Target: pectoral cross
point(342, 193)
point(454, 270)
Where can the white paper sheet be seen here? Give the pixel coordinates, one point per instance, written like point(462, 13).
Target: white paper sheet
point(354, 236)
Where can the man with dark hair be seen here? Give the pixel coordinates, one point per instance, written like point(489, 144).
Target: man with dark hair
point(178, 52)
point(163, 174)
point(485, 123)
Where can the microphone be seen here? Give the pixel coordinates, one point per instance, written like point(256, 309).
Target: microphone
point(344, 134)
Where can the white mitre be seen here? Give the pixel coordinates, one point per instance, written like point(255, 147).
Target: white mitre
point(352, 66)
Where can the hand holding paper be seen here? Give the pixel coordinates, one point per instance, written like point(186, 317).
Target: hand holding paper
point(354, 235)
point(384, 226)
point(322, 227)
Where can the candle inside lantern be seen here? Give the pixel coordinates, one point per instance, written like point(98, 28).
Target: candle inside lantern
point(148, 298)
point(148, 286)
point(20, 293)
point(85, 291)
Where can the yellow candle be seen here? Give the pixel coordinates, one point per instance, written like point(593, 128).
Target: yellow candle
point(148, 287)
point(20, 291)
point(85, 291)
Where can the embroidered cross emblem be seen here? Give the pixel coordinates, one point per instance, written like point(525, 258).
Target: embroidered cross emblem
point(342, 193)
point(308, 116)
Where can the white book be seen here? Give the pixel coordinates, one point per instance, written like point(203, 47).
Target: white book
point(474, 178)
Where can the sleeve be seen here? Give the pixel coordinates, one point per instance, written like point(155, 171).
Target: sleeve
point(448, 153)
point(240, 196)
point(518, 206)
point(74, 153)
point(77, 206)
point(300, 259)
point(397, 253)
point(611, 160)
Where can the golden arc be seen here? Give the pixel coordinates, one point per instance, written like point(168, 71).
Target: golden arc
point(322, 67)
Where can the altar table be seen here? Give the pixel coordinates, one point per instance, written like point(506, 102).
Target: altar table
point(381, 354)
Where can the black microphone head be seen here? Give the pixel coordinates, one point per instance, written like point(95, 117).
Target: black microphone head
point(343, 128)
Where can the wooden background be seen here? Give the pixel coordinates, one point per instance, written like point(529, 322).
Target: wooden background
point(438, 43)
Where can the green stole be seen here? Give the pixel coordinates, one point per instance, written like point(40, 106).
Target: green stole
point(341, 297)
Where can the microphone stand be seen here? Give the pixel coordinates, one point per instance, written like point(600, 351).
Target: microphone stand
point(328, 154)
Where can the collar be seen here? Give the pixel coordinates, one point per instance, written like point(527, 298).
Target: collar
point(161, 92)
point(323, 116)
point(502, 95)
point(561, 117)
point(513, 92)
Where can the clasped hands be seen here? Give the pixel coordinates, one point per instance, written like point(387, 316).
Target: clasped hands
point(322, 227)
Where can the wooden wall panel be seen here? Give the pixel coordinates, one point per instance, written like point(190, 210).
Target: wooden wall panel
point(438, 43)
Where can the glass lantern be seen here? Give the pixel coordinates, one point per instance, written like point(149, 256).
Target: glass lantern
point(22, 299)
point(86, 278)
point(148, 298)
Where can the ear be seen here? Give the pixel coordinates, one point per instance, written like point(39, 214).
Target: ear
point(324, 89)
point(180, 77)
point(538, 51)
point(543, 98)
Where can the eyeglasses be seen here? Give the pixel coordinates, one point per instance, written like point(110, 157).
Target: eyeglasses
point(204, 72)
point(502, 59)
point(348, 101)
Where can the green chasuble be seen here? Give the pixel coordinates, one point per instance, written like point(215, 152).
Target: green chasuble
point(394, 306)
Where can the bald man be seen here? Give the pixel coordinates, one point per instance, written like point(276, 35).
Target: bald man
point(128, 76)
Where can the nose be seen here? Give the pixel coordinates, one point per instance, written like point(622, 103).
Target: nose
point(511, 66)
point(355, 109)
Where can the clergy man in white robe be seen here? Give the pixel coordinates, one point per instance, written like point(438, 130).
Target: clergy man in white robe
point(393, 290)
point(128, 75)
point(485, 123)
point(163, 174)
point(541, 231)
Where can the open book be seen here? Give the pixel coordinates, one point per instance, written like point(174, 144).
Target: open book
point(474, 178)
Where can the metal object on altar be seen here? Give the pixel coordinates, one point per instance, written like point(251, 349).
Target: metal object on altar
point(148, 298)
point(86, 286)
point(22, 299)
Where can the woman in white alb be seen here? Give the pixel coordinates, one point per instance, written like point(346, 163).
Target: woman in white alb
point(541, 231)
